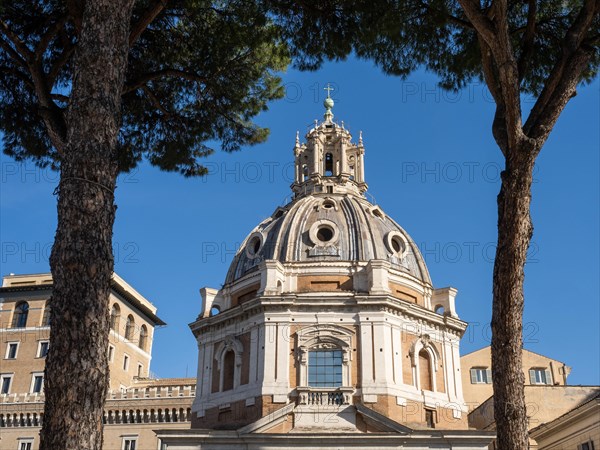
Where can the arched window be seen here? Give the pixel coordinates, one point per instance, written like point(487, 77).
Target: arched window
point(129, 327)
point(46, 318)
point(304, 172)
point(20, 315)
point(328, 165)
point(425, 371)
point(325, 368)
point(228, 370)
point(143, 337)
point(115, 315)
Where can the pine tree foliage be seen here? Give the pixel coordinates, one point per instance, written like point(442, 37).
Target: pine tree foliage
point(197, 75)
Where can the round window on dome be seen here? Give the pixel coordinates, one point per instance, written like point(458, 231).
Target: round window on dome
point(254, 245)
point(396, 244)
point(328, 204)
point(325, 233)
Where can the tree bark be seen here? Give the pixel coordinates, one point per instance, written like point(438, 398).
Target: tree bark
point(515, 230)
point(77, 371)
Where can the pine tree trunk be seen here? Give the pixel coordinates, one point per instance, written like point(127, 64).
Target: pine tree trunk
point(77, 372)
point(514, 235)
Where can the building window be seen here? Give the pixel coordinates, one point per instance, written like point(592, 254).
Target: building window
point(130, 443)
point(481, 375)
point(43, 348)
point(430, 418)
point(5, 382)
point(111, 353)
point(140, 370)
point(11, 350)
point(129, 327)
point(540, 376)
point(20, 315)
point(425, 371)
point(25, 444)
point(125, 363)
point(115, 314)
point(589, 445)
point(325, 368)
point(328, 164)
point(143, 337)
point(46, 317)
point(228, 370)
point(37, 383)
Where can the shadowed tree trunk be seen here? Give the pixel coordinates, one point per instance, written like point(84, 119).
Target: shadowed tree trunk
point(82, 261)
point(514, 235)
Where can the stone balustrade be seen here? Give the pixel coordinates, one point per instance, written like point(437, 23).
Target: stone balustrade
point(324, 396)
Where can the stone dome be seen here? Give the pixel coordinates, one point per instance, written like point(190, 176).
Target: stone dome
point(329, 227)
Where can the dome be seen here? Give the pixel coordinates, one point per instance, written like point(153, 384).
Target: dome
point(329, 227)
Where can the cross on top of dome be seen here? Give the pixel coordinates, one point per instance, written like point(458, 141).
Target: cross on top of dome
point(328, 103)
point(329, 162)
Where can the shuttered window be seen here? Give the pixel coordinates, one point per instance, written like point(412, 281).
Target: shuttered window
point(540, 375)
point(481, 375)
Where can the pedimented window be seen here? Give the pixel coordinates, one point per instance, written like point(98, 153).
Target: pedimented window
point(324, 353)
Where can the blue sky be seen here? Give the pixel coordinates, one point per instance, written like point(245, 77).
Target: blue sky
point(431, 164)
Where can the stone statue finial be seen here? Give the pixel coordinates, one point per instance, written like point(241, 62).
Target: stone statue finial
point(297, 138)
point(360, 141)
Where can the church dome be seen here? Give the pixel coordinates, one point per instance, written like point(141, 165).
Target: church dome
point(327, 228)
point(329, 220)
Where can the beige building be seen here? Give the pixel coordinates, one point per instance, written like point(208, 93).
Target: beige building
point(556, 413)
point(545, 404)
point(476, 374)
point(136, 403)
point(328, 331)
point(577, 429)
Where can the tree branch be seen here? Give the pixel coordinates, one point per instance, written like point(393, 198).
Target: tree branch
point(59, 63)
point(489, 71)
point(495, 33)
point(480, 21)
point(528, 38)
point(60, 97)
point(564, 69)
point(20, 46)
point(14, 54)
point(156, 102)
point(145, 19)
point(17, 73)
point(141, 82)
point(51, 114)
point(541, 125)
point(48, 36)
point(452, 19)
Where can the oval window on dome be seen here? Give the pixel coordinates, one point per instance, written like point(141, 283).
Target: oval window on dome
point(254, 245)
point(328, 204)
point(396, 244)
